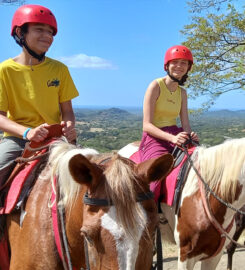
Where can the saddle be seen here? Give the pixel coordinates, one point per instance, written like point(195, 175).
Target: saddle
point(172, 186)
point(169, 190)
point(24, 171)
point(178, 155)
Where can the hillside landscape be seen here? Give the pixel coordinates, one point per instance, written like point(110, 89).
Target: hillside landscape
point(111, 129)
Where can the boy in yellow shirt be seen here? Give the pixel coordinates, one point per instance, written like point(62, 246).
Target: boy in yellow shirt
point(35, 91)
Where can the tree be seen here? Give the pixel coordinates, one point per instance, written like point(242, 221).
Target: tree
point(217, 41)
point(12, 2)
point(200, 5)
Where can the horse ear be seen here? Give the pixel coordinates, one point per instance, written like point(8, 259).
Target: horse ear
point(83, 171)
point(156, 168)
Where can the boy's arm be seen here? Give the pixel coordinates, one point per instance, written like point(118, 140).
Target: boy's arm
point(37, 134)
point(10, 126)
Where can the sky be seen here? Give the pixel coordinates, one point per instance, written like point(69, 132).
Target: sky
point(114, 48)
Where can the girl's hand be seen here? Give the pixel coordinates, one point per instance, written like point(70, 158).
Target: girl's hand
point(180, 138)
point(194, 136)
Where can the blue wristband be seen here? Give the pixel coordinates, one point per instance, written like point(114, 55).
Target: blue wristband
point(25, 133)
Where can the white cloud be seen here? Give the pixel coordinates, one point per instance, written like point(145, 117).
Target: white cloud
point(85, 61)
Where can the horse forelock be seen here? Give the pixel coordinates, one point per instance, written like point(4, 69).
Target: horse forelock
point(222, 166)
point(60, 155)
point(120, 185)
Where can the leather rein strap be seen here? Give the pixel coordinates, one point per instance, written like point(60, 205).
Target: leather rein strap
point(58, 221)
point(223, 232)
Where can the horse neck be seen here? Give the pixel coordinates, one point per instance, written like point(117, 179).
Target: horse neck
point(193, 185)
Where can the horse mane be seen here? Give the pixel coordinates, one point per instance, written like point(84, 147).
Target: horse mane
point(119, 185)
point(60, 155)
point(221, 166)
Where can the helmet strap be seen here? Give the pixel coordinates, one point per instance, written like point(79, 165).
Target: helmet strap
point(181, 81)
point(21, 41)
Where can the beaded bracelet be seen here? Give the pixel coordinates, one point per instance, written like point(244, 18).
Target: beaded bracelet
point(25, 133)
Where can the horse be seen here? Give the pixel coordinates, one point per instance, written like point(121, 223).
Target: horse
point(110, 217)
point(214, 188)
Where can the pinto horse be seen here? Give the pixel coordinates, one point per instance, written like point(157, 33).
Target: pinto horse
point(107, 205)
point(204, 221)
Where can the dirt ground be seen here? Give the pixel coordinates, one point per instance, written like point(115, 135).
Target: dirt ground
point(170, 256)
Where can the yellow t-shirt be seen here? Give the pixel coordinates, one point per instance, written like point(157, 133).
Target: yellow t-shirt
point(167, 107)
point(32, 96)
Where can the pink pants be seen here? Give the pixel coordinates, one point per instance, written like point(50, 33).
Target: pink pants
point(152, 147)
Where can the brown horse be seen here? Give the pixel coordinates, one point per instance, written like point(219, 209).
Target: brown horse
point(119, 232)
point(214, 188)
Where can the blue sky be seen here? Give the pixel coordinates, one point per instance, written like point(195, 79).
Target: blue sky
point(113, 48)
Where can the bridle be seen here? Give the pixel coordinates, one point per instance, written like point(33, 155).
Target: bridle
point(105, 202)
point(65, 256)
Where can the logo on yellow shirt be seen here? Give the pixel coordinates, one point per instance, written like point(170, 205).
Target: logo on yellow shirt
point(54, 82)
point(171, 101)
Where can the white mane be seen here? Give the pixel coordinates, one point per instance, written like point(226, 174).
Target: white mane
point(223, 166)
point(60, 155)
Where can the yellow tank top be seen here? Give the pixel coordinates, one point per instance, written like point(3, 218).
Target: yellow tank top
point(167, 107)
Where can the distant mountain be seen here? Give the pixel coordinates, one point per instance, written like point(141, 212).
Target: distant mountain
point(224, 114)
point(126, 114)
point(112, 114)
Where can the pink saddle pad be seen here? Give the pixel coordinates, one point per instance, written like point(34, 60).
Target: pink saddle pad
point(16, 187)
point(10, 202)
point(167, 187)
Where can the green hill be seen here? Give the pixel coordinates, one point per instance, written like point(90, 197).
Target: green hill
point(111, 129)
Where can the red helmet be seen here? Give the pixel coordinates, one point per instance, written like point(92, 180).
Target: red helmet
point(178, 52)
point(33, 14)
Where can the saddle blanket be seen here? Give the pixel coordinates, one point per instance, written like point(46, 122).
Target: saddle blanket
point(10, 202)
point(166, 187)
point(16, 187)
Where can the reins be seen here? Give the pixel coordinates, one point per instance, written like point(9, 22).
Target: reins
point(158, 265)
point(213, 220)
point(38, 153)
